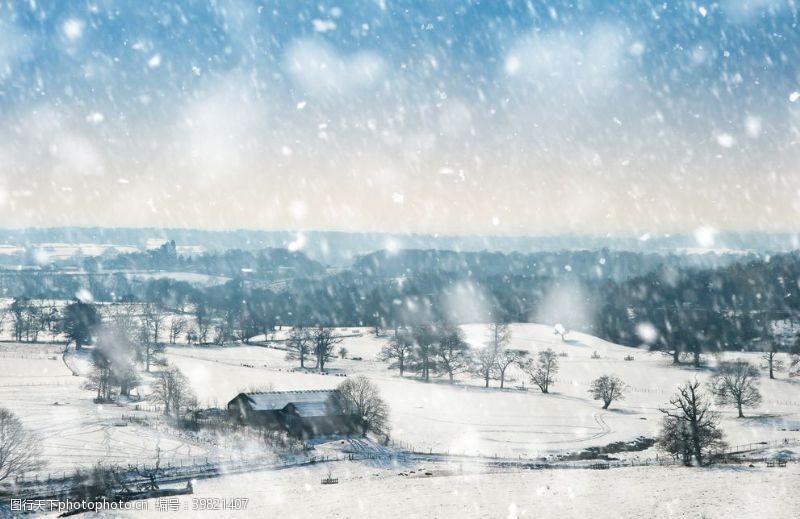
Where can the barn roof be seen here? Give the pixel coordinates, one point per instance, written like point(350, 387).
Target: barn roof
point(277, 400)
point(315, 409)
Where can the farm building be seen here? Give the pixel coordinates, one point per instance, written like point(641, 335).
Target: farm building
point(303, 414)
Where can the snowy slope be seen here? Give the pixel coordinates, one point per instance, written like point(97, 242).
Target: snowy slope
point(467, 418)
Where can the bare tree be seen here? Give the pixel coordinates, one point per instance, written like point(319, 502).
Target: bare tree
point(100, 377)
point(123, 318)
point(191, 335)
point(177, 325)
point(221, 332)
point(116, 343)
point(490, 361)
point(376, 325)
point(773, 363)
point(507, 357)
point(690, 426)
point(499, 338)
point(484, 362)
point(172, 390)
point(112, 364)
point(323, 342)
point(204, 331)
point(150, 325)
point(736, 383)
point(607, 388)
point(298, 345)
point(46, 314)
point(499, 335)
point(127, 378)
point(398, 349)
point(202, 319)
point(19, 313)
point(53, 319)
point(451, 351)
point(153, 319)
point(543, 369)
point(424, 361)
point(363, 399)
point(794, 356)
point(771, 347)
point(19, 448)
point(3, 317)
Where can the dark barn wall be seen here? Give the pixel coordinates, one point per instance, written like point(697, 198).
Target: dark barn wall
point(288, 419)
point(241, 410)
point(308, 427)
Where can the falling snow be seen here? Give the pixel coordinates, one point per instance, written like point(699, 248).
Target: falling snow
point(490, 210)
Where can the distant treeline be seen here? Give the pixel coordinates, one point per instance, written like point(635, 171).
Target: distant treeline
point(340, 248)
point(684, 303)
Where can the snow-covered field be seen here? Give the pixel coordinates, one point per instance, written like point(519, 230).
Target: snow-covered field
point(36, 384)
point(467, 418)
point(641, 492)
point(463, 418)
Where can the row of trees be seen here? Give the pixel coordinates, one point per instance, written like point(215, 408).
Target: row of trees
point(114, 370)
point(131, 336)
point(225, 321)
point(314, 343)
point(435, 349)
point(440, 349)
point(30, 319)
point(693, 310)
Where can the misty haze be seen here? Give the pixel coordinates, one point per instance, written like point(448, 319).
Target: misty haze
point(400, 259)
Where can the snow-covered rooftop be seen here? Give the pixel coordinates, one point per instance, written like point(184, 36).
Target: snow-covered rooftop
point(315, 409)
point(275, 400)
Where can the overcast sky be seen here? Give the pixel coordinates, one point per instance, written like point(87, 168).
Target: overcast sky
point(447, 116)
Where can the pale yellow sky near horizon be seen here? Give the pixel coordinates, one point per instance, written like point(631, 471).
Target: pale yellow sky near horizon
point(578, 129)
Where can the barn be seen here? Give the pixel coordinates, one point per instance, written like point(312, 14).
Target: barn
point(303, 414)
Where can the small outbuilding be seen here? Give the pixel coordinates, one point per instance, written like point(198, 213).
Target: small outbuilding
point(302, 414)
